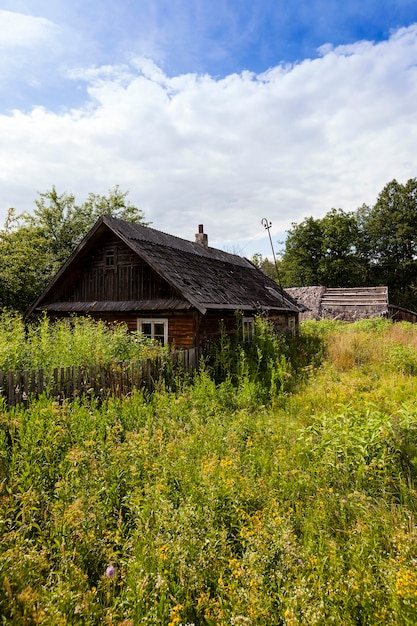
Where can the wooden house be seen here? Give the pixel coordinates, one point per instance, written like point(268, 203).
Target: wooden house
point(171, 289)
point(348, 304)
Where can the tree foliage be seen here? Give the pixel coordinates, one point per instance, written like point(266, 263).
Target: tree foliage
point(301, 263)
point(368, 247)
point(265, 265)
point(34, 245)
point(323, 251)
point(392, 230)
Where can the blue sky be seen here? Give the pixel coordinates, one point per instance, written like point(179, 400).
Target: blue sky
point(220, 112)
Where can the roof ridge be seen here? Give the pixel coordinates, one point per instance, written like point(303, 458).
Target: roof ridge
point(160, 238)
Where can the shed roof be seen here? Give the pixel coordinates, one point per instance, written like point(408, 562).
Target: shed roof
point(342, 302)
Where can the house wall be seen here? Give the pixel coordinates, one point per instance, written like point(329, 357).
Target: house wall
point(210, 324)
point(182, 326)
point(281, 322)
point(128, 278)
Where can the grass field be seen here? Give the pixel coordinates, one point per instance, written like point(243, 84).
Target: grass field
point(276, 488)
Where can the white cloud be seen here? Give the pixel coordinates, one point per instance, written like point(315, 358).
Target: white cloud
point(29, 51)
point(292, 142)
point(24, 31)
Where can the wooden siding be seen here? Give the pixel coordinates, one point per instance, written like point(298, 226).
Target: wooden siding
point(211, 324)
point(182, 327)
point(128, 279)
point(281, 322)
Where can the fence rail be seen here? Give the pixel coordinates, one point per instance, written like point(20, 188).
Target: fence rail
point(116, 379)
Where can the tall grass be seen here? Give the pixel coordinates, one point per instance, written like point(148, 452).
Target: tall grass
point(215, 510)
point(270, 364)
point(73, 341)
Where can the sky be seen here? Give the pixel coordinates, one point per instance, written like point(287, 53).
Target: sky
point(219, 113)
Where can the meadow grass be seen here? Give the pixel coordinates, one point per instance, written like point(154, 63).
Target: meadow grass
point(267, 490)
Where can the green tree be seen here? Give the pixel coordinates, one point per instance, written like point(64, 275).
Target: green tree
point(324, 252)
point(372, 246)
point(34, 245)
point(26, 264)
point(64, 223)
point(342, 264)
point(303, 254)
point(391, 228)
point(265, 265)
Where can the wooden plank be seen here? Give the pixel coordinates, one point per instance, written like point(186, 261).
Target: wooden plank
point(33, 388)
point(118, 379)
point(18, 387)
point(10, 389)
point(25, 385)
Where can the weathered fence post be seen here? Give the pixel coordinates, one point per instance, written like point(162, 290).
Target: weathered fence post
point(117, 379)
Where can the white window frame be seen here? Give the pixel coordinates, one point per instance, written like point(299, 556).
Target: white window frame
point(248, 328)
point(153, 321)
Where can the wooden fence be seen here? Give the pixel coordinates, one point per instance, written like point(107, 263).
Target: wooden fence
point(116, 379)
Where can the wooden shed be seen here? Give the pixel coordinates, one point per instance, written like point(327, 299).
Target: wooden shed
point(171, 289)
point(348, 304)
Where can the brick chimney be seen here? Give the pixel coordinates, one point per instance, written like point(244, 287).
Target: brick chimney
point(201, 237)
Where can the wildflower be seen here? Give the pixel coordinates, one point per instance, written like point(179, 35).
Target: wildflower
point(110, 571)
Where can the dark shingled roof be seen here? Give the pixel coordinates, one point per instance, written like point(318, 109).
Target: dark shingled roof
point(212, 278)
point(207, 278)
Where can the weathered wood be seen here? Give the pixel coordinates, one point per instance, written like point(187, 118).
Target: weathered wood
point(124, 271)
point(119, 379)
point(11, 396)
point(347, 304)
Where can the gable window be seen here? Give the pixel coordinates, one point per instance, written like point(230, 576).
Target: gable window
point(110, 258)
point(154, 329)
point(248, 328)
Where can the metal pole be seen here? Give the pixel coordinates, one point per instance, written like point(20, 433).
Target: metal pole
point(267, 225)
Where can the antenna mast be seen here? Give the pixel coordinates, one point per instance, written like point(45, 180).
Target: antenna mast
point(267, 225)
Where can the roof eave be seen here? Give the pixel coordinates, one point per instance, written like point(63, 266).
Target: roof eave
point(210, 306)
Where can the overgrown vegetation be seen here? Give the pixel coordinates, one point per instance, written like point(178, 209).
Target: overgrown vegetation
point(259, 493)
point(72, 341)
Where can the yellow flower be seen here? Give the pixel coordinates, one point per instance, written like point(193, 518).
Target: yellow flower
point(406, 583)
point(175, 618)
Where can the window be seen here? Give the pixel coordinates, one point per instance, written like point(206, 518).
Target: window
point(248, 327)
point(154, 329)
point(291, 325)
point(110, 258)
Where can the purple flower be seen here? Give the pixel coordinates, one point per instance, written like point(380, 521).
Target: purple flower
point(110, 571)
